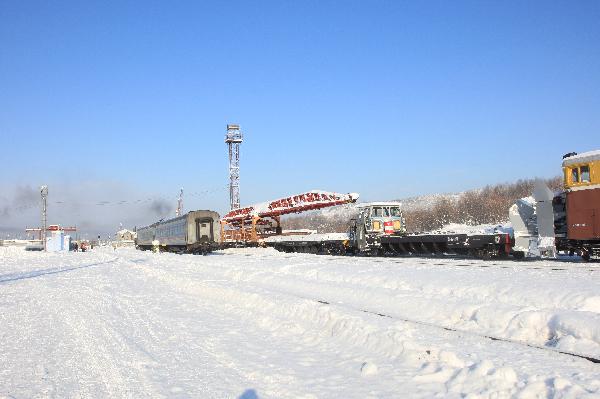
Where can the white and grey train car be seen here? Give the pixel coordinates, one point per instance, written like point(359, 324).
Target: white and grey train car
point(194, 232)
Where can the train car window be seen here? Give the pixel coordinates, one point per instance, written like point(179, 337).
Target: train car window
point(585, 173)
point(575, 175)
point(395, 212)
point(376, 212)
point(386, 212)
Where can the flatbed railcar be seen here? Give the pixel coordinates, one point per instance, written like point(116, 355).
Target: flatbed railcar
point(379, 230)
point(195, 232)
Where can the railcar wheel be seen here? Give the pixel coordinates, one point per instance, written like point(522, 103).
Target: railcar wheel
point(585, 255)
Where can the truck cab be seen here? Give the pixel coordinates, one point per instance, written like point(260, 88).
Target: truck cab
point(374, 220)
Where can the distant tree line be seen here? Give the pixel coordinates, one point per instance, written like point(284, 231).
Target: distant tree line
point(482, 206)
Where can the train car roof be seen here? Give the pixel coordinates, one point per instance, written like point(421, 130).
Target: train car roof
point(589, 156)
point(163, 221)
point(368, 204)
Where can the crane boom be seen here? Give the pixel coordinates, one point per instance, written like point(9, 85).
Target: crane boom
point(315, 199)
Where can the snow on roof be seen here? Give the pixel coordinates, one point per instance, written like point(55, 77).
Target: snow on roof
point(367, 204)
point(124, 231)
point(583, 157)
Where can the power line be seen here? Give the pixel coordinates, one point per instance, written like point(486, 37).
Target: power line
point(37, 204)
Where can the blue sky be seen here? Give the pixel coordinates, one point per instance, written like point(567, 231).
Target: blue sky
point(386, 98)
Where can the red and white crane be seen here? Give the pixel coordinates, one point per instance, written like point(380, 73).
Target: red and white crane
point(240, 224)
point(315, 199)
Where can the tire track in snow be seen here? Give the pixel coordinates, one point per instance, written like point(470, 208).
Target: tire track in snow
point(99, 369)
point(211, 346)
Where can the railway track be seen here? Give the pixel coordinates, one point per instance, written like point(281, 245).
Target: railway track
point(557, 264)
point(506, 264)
point(458, 331)
point(492, 338)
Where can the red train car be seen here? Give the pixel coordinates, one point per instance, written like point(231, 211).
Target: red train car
point(578, 230)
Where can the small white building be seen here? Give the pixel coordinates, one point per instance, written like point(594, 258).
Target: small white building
point(125, 238)
point(58, 241)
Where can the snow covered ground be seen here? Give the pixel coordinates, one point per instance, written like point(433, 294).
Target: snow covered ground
point(255, 323)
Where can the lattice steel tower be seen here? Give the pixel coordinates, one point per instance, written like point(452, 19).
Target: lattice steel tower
point(234, 138)
point(179, 203)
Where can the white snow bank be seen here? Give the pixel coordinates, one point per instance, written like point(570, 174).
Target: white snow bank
point(280, 301)
point(132, 323)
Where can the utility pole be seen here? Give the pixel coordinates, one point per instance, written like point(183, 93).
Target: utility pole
point(234, 138)
point(44, 192)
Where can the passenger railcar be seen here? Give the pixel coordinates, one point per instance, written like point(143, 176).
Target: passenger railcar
point(194, 232)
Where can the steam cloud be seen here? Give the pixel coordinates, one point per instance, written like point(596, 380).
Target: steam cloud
point(95, 207)
point(26, 195)
point(160, 207)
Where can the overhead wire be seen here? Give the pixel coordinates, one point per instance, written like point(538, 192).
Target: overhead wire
point(25, 207)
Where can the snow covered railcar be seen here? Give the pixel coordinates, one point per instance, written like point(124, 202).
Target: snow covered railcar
point(379, 229)
point(194, 232)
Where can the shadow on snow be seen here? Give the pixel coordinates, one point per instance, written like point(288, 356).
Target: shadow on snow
point(44, 272)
